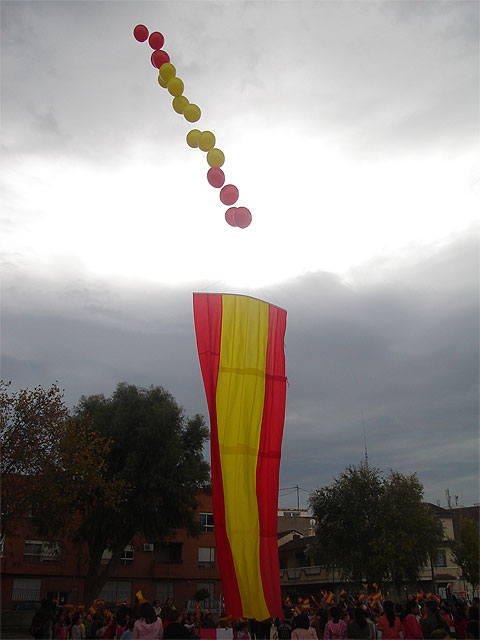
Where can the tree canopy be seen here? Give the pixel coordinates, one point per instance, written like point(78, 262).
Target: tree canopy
point(466, 552)
point(131, 464)
point(50, 462)
point(158, 455)
point(374, 528)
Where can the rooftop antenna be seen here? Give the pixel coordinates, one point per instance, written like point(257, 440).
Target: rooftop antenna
point(365, 438)
point(449, 498)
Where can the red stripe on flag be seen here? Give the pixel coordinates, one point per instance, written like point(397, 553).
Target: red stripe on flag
point(207, 309)
point(268, 462)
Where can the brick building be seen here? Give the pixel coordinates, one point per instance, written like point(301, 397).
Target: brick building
point(33, 568)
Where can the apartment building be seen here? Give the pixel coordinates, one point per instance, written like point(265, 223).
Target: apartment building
point(33, 568)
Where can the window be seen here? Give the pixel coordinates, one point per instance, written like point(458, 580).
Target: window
point(164, 591)
point(206, 556)
point(26, 589)
point(2, 545)
point(206, 520)
point(106, 556)
point(41, 551)
point(116, 591)
point(441, 559)
point(169, 553)
point(128, 556)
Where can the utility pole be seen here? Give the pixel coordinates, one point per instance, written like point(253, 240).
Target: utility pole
point(365, 439)
point(449, 498)
point(298, 497)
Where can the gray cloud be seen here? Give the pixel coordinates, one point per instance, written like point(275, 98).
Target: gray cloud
point(375, 76)
point(401, 350)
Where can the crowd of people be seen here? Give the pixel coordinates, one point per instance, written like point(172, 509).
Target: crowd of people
point(349, 618)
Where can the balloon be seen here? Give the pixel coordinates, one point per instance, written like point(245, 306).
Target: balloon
point(175, 87)
point(192, 113)
point(192, 138)
point(159, 57)
point(215, 157)
point(230, 216)
point(207, 141)
point(162, 82)
point(216, 177)
point(140, 33)
point(167, 71)
point(229, 194)
point(242, 217)
point(156, 40)
point(179, 103)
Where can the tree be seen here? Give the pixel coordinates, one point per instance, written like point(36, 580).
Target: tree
point(466, 552)
point(409, 532)
point(157, 454)
point(373, 528)
point(49, 461)
point(347, 515)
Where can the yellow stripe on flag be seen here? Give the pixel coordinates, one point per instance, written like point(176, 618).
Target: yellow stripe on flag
point(239, 400)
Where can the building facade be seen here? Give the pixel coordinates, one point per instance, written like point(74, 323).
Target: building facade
point(33, 568)
point(299, 575)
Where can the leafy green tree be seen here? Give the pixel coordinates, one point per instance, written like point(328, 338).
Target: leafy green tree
point(373, 528)
point(466, 552)
point(409, 533)
point(347, 515)
point(157, 454)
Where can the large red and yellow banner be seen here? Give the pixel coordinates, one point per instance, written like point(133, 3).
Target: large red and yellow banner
point(240, 344)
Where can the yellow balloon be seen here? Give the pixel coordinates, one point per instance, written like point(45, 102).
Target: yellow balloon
point(167, 71)
point(215, 158)
point(207, 141)
point(192, 113)
point(175, 87)
point(179, 103)
point(192, 138)
point(162, 82)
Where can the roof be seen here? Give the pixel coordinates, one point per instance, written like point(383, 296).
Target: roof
point(281, 534)
point(439, 511)
point(298, 544)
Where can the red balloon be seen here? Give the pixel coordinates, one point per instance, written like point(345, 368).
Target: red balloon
point(229, 194)
point(159, 57)
point(216, 177)
point(156, 40)
point(140, 33)
point(230, 216)
point(242, 217)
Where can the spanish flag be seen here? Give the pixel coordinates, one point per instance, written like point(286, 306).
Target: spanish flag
point(240, 348)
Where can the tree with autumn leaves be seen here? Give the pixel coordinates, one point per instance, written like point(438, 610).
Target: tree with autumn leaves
point(119, 466)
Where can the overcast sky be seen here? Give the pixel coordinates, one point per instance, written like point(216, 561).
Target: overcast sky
point(351, 130)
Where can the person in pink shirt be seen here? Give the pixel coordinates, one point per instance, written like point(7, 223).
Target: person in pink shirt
point(60, 629)
point(410, 625)
point(148, 626)
point(303, 630)
point(336, 628)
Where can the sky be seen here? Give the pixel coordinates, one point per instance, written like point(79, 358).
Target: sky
point(351, 130)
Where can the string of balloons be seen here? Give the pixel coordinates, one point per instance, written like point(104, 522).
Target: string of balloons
point(204, 140)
